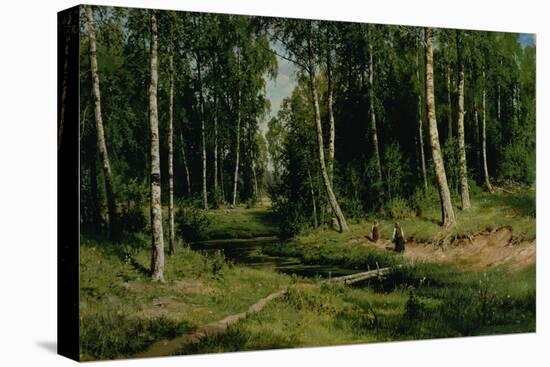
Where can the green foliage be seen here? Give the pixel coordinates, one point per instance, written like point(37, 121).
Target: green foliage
point(191, 223)
point(290, 218)
point(451, 154)
point(518, 164)
point(394, 170)
point(133, 199)
point(425, 199)
point(398, 208)
point(215, 264)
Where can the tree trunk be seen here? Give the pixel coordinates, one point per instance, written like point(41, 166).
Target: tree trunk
point(216, 147)
point(498, 103)
point(171, 234)
point(373, 113)
point(447, 213)
point(157, 259)
point(203, 135)
point(420, 122)
point(336, 210)
point(449, 103)
point(222, 187)
point(477, 142)
point(331, 132)
point(238, 144)
point(315, 223)
point(185, 166)
point(464, 189)
point(486, 180)
point(256, 194)
point(100, 133)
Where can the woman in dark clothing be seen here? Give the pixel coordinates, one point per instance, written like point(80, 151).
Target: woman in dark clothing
point(398, 238)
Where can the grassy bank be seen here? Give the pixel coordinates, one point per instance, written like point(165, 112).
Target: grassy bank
point(489, 211)
point(418, 303)
point(123, 311)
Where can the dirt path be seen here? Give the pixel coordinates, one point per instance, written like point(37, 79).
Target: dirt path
point(480, 251)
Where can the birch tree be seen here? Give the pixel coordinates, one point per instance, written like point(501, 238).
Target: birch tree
point(373, 128)
point(157, 258)
point(463, 169)
point(486, 179)
point(419, 113)
point(238, 131)
point(343, 226)
point(171, 235)
point(447, 214)
point(100, 131)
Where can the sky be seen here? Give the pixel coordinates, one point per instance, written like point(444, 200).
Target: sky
point(281, 87)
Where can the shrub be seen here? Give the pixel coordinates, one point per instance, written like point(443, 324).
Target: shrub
point(192, 223)
point(290, 217)
point(398, 208)
point(424, 199)
point(518, 164)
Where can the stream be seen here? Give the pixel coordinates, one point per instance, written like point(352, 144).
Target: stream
point(249, 252)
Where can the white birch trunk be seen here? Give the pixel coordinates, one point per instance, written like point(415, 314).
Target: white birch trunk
point(100, 133)
point(216, 147)
point(185, 166)
point(447, 213)
point(420, 122)
point(332, 125)
point(486, 179)
point(171, 234)
point(463, 167)
point(449, 103)
point(373, 128)
point(336, 210)
point(157, 258)
point(238, 143)
point(314, 204)
point(203, 135)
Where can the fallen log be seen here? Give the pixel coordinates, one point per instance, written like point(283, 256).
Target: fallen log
point(354, 278)
point(170, 347)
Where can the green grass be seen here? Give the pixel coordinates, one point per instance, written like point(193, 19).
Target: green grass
point(455, 303)
point(240, 223)
point(123, 311)
point(516, 210)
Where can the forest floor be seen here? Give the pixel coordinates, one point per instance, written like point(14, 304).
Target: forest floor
point(476, 280)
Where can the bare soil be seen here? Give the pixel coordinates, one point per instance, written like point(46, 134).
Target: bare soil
point(480, 251)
